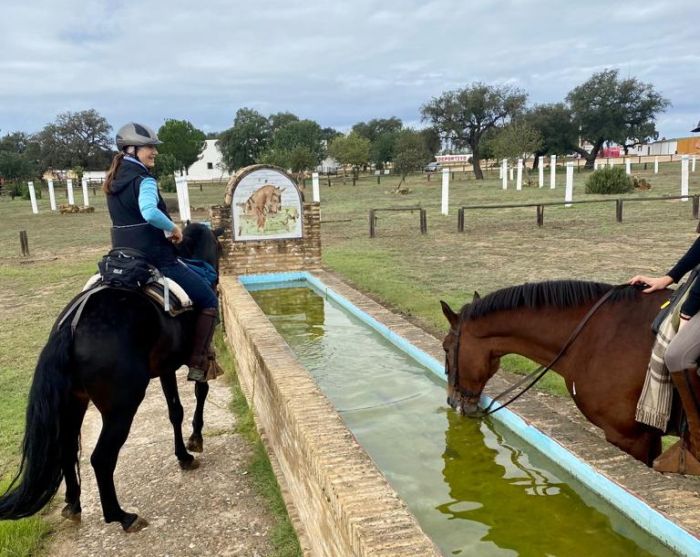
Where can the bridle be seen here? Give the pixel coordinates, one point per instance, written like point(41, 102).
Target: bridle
point(534, 376)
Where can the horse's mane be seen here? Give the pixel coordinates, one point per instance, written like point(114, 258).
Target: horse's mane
point(559, 294)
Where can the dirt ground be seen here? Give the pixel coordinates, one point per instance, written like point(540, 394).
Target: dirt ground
point(213, 510)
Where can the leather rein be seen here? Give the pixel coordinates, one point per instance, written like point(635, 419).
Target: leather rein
point(535, 375)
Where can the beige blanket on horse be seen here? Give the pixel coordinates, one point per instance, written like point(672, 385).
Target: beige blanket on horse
point(654, 406)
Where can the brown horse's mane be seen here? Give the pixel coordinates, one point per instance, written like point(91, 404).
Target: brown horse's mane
point(560, 294)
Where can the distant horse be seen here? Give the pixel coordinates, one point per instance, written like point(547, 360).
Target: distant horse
point(122, 340)
point(604, 368)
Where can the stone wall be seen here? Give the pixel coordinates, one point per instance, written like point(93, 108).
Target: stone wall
point(344, 504)
point(269, 256)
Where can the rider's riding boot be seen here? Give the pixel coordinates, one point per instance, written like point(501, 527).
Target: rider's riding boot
point(684, 456)
point(201, 360)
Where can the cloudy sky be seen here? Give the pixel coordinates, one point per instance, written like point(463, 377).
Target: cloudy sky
point(335, 62)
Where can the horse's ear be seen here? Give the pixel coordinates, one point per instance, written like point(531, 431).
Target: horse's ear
point(452, 317)
point(476, 296)
point(219, 231)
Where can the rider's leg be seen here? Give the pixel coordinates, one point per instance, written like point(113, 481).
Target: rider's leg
point(205, 300)
point(681, 360)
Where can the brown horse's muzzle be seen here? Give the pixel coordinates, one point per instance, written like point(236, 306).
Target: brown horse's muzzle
point(464, 404)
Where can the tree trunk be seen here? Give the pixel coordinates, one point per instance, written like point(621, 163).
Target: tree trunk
point(476, 158)
point(590, 157)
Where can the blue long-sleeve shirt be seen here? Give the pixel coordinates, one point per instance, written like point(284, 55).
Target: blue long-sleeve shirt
point(148, 205)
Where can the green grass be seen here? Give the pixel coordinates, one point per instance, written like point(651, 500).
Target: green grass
point(282, 536)
point(22, 538)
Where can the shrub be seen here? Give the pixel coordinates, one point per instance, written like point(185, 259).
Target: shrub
point(609, 180)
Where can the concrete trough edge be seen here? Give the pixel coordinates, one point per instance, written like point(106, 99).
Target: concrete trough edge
point(649, 519)
point(324, 475)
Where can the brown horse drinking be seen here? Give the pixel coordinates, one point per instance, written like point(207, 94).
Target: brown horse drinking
point(604, 367)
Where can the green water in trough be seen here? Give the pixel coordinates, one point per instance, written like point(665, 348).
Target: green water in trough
point(475, 488)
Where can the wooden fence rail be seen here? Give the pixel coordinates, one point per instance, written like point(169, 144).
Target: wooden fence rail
point(619, 204)
point(423, 221)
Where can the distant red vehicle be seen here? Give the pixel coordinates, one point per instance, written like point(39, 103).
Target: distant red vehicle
point(610, 152)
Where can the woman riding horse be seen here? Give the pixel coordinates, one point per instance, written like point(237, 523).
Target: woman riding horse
point(108, 356)
point(140, 220)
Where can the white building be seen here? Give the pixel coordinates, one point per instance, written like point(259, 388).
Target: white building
point(660, 147)
point(210, 165)
point(328, 166)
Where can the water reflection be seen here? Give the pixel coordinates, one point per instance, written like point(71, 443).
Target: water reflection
point(527, 509)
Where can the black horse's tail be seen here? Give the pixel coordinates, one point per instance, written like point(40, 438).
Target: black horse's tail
point(40, 472)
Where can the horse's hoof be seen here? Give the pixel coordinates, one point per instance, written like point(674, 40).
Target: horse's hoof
point(196, 445)
point(192, 464)
point(69, 513)
point(133, 523)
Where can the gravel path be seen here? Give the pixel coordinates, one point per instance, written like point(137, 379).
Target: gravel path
point(213, 510)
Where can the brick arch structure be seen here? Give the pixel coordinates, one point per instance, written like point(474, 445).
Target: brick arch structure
point(249, 256)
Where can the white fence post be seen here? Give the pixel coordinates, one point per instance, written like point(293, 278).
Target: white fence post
point(656, 165)
point(569, 192)
point(316, 190)
point(52, 196)
point(519, 181)
point(553, 175)
point(183, 198)
point(504, 174)
point(684, 176)
point(628, 167)
point(445, 190)
point(32, 197)
point(86, 200)
point(540, 177)
point(69, 187)
point(180, 202)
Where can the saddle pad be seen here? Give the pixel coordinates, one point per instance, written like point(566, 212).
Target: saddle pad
point(178, 298)
point(654, 405)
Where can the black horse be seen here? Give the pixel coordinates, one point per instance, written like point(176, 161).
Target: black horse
point(122, 340)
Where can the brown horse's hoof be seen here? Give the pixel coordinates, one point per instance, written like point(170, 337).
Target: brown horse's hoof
point(196, 445)
point(137, 525)
point(70, 514)
point(189, 464)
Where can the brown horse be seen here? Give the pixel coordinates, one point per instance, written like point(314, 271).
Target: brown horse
point(604, 367)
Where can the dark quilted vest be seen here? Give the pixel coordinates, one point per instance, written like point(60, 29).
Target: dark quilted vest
point(129, 228)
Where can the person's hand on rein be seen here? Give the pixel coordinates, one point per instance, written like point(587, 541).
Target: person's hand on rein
point(653, 283)
point(176, 235)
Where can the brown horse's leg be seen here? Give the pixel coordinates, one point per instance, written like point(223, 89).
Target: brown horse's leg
point(115, 429)
point(72, 420)
point(640, 444)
